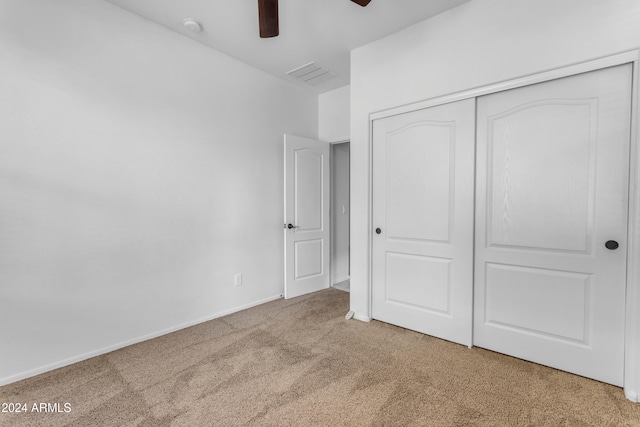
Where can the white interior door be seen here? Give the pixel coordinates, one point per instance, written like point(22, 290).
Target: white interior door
point(552, 183)
point(306, 216)
point(423, 183)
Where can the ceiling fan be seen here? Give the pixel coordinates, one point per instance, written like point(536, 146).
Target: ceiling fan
point(268, 16)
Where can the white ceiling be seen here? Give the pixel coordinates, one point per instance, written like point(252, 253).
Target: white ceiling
point(323, 31)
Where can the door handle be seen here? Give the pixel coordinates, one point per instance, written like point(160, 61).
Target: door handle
point(378, 231)
point(290, 226)
point(611, 245)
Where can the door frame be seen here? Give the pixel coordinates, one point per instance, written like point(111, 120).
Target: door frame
point(632, 303)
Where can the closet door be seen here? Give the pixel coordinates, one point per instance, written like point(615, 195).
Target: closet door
point(551, 222)
point(423, 220)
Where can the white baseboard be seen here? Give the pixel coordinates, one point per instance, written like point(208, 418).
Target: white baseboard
point(632, 396)
point(339, 280)
point(362, 317)
point(108, 349)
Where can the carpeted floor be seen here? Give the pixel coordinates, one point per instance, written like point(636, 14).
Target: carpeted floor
point(300, 363)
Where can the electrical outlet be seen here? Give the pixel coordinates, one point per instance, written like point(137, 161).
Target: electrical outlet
point(238, 279)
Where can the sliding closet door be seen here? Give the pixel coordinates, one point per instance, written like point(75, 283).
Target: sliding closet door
point(423, 220)
point(551, 222)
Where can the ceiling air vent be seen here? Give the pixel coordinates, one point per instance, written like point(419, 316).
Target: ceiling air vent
point(311, 74)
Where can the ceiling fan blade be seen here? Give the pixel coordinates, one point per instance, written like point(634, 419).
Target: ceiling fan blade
point(362, 3)
point(268, 18)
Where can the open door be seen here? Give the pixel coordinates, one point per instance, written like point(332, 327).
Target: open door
point(306, 216)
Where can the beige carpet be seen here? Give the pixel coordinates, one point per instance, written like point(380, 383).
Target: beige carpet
point(300, 363)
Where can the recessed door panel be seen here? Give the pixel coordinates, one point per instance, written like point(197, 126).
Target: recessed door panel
point(552, 189)
point(541, 155)
point(308, 259)
point(308, 189)
point(418, 282)
point(548, 303)
point(415, 192)
point(423, 210)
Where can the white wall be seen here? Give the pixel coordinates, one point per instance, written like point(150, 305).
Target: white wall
point(340, 212)
point(335, 115)
point(139, 170)
point(476, 44)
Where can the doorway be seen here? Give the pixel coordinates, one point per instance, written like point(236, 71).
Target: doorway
point(340, 222)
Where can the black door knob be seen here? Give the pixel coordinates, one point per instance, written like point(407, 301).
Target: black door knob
point(290, 226)
point(611, 245)
point(378, 231)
